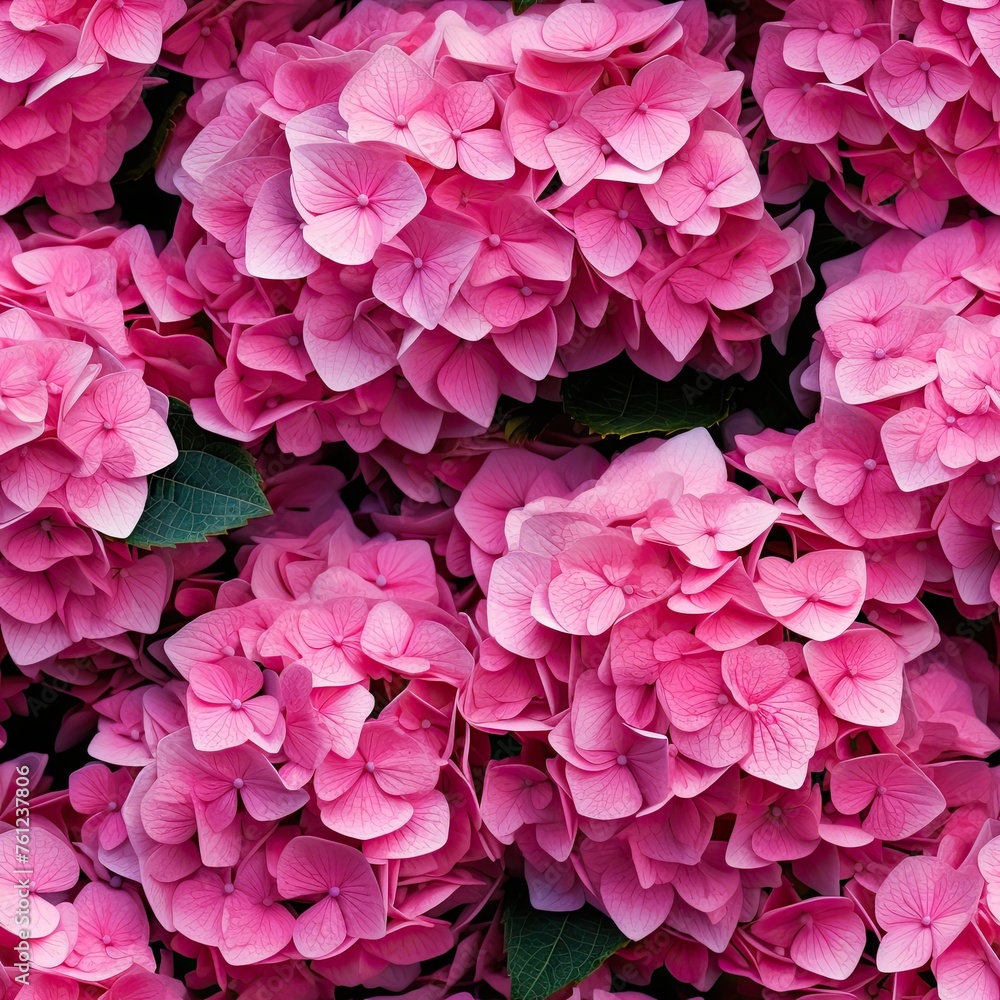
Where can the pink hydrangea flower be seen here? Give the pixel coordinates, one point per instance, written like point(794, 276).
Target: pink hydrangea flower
point(898, 463)
point(901, 102)
point(384, 265)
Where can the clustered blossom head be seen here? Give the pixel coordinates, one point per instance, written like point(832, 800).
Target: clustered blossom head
point(901, 462)
point(304, 790)
point(398, 219)
point(71, 81)
point(731, 752)
point(891, 106)
point(89, 936)
point(84, 339)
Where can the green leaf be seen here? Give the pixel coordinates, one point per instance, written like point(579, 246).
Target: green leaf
point(212, 488)
point(520, 6)
point(189, 436)
point(618, 398)
point(547, 951)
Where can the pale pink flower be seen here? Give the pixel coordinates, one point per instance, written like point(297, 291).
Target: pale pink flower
point(923, 905)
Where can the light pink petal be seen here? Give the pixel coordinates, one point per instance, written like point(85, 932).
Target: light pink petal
point(485, 154)
point(274, 246)
point(469, 381)
point(611, 244)
point(859, 675)
point(611, 793)
point(320, 930)
point(819, 595)
point(514, 580)
point(365, 811)
point(903, 800)
point(133, 32)
point(831, 944)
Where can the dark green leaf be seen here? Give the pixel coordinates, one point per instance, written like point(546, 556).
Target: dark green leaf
point(618, 398)
point(547, 951)
point(189, 436)
point(520, 6)
point(212, 488)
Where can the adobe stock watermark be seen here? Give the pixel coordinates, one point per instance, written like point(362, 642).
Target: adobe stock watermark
point(24, 872)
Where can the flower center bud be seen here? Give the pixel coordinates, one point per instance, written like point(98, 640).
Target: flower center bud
point(333, 892)
point(369, 766)
point(418, 262)
point(870, 464)
point(237, 704)
point(622, 759)
point(400, 120)
point(494, 239)
point(238, 783)
point(363, 200)
point(642, 108)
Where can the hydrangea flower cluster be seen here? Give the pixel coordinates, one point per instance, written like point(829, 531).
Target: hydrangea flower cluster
point(89, 935)
point(81, 428)
point(712, 747)
point(71, 81)
point(305, 791)
point(891, 107)
point(421, 209)
point(470, 718)
point(902, 459)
